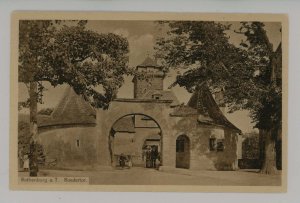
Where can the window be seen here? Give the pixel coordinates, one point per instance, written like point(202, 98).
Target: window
point(212, 144)
point(78, 143)
point(179, 145)
point(155, 96)
point(216, 144)
point(220, 145)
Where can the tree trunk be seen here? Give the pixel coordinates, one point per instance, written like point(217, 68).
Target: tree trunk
point(33, 162)
point(269, 159)
point(261, 147)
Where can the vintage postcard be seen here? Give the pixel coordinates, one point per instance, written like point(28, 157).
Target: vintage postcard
point(112, 101)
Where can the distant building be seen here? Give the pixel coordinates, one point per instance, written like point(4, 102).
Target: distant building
point(193, 136)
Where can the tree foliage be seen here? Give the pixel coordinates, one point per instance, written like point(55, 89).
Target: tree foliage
point(262, 58)
point(72, 55)
point(250, 73)
point(204, 50)
point(54, 52)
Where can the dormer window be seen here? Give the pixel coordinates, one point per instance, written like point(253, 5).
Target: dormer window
point(155, 97)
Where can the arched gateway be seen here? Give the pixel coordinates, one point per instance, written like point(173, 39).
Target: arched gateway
point(80, 137)
point(136, 137)
point(157, 110)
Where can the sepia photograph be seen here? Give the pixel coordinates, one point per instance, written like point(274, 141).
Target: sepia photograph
point(166, 101)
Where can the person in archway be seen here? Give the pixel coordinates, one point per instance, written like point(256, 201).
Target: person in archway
point(158, 160)
point(144, 151)
point(148, 158)
point(154, 155)
point(122, 160)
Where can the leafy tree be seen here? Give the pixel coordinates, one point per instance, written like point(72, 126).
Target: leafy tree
point(267, 109)
point(60, 54)
point(246, 72)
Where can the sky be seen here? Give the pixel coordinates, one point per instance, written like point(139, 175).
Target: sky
point(142, 36)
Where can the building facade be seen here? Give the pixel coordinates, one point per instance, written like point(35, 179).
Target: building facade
point(194, 136)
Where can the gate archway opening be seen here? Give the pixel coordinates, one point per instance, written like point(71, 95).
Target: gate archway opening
point(137, 138)
point(183, 152)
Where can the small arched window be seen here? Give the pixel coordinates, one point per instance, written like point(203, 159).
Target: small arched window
point(78, 143)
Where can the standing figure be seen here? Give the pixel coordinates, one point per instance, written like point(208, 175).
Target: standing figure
point(122, 160)
point(21, 158)
point(148, 158)
point(33, 158)
point(129, 161)
point(158, 160)
point(154, 154)
point(26, 162)
point(144, 153)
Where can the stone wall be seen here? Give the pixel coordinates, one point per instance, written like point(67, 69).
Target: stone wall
point(201, 158)
point(123, 107)
point(96, 149)
point(142, 86)
point(72, 148)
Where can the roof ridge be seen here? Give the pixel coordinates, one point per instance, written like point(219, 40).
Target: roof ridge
point(203, 97)
point(61, 103)
point(149, 61)
point(71, 109)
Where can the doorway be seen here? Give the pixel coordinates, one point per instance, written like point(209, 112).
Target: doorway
point(183, 152)
point(130, 137)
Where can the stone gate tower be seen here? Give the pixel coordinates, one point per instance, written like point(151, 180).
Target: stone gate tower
point(151, 87)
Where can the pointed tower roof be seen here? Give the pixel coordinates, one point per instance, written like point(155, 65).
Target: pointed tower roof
point(71, 110)
point(208, 110)
point(149, 62)
point(277, 65)
point(279, 48)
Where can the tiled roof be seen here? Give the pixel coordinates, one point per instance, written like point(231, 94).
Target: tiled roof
point(279, 49)
point(184, 110)
point(277, 63)
point(208, 110)
point(164, 95)
point(71, 110)
point(125, 124)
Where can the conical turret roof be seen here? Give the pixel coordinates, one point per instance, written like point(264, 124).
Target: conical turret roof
point(207, 108)
point(71, 110)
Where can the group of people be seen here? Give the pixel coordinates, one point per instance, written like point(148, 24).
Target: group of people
point(152, 157)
